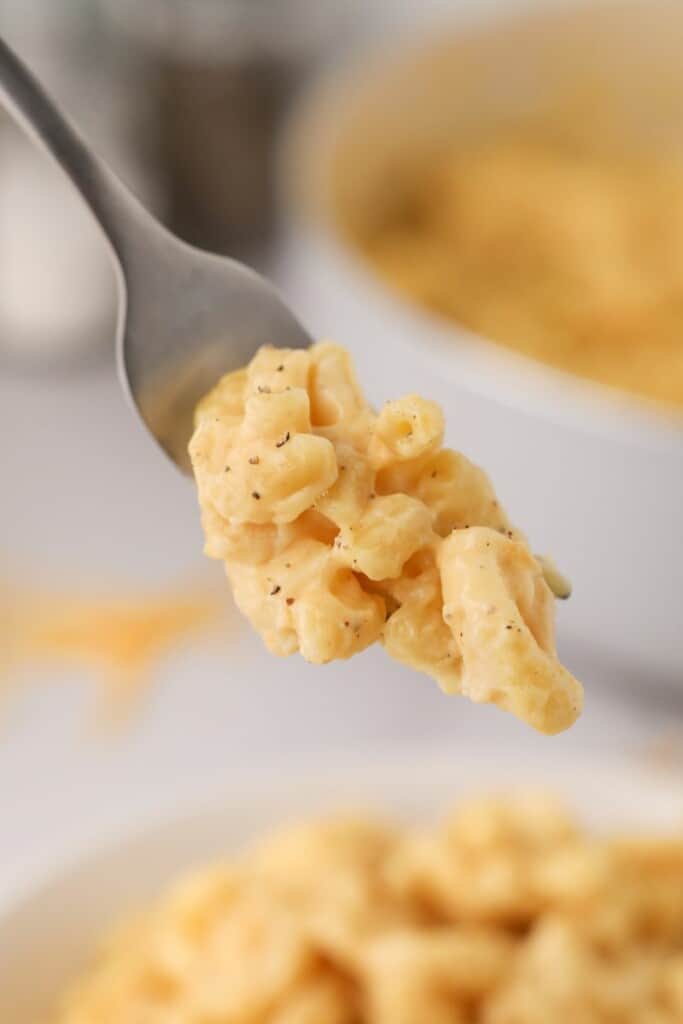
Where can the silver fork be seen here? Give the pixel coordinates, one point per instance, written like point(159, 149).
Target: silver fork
point(184, 316)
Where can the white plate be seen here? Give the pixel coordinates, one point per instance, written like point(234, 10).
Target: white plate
point(49, 929)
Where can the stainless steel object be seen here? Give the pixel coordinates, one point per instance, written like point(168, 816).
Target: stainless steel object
point(185, 316)
point(216, 79)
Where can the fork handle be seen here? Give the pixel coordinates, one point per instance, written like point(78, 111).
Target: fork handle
point(122, 218)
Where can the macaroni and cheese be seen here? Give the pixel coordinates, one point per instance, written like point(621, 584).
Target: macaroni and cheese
point(570, 257)
point(506, 913)
point(339, 527)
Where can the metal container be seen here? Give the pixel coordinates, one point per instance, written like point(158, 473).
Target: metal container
point(217, 77)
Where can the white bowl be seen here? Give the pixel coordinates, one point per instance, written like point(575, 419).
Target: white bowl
point(49, 930)
point(595, 477)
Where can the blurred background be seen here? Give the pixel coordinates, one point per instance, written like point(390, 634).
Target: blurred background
point(472, 224)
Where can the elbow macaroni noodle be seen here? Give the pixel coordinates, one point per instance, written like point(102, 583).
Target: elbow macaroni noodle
point(507, 913)
point(339, 528)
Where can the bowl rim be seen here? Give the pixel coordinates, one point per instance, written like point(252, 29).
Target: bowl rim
point(474, 361)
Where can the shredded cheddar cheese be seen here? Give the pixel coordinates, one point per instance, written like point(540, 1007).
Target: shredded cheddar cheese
point(120, 640)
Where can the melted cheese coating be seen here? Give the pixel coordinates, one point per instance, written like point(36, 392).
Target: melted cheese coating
point(339, 528)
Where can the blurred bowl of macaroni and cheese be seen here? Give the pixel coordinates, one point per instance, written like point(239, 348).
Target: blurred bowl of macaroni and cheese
point(417, 888)
point(491, 212)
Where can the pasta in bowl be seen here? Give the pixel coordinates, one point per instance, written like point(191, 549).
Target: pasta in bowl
point(581, 887)
point(505, 912)
point(340, 527)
